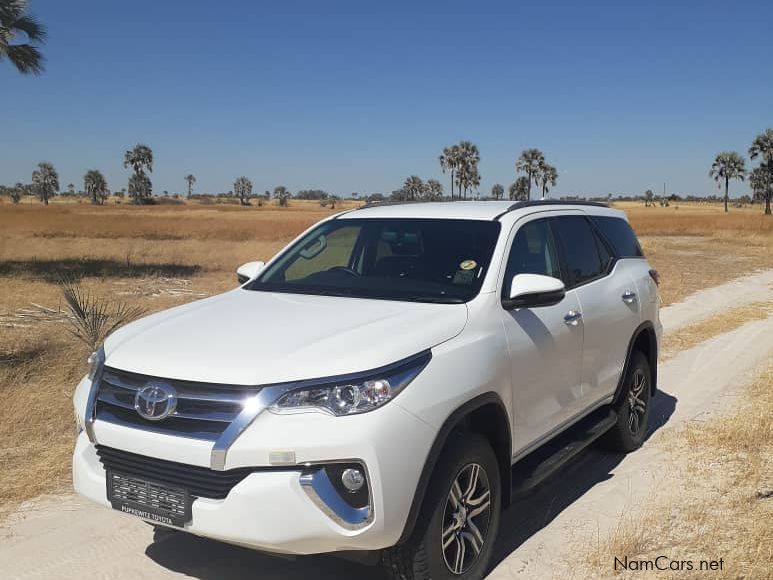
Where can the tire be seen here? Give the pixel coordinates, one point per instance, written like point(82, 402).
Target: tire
point(422, 556)
point(633, 407)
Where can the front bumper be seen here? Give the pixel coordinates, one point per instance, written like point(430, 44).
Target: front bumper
point(270, 510)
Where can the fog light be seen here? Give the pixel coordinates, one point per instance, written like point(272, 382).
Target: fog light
point(353, 479)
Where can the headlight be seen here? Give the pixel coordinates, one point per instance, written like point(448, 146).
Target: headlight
point(354, 394)
point(96, 360)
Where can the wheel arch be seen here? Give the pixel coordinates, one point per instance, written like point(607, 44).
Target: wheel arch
point(485, 415)
point(644, 339)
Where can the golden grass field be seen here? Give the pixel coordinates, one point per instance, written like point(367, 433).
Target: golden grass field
point(160, 256)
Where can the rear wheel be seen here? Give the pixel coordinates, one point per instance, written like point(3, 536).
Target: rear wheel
point(633, 407)
point(459, 520)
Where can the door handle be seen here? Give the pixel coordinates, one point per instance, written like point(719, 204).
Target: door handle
point(629, 297)
point(572, 317)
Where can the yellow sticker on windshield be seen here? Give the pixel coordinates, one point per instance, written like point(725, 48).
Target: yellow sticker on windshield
point(468, 265)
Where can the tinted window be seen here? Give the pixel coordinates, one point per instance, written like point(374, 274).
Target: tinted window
point(533, 252)
point(580, 249)
point(604, 253)
point(618, 232)
point(393, 259)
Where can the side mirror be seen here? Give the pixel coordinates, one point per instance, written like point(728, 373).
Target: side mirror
point(249, 271)
point(534, 290)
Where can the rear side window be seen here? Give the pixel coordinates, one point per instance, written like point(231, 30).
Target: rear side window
point(580, 248)
point(619, 233)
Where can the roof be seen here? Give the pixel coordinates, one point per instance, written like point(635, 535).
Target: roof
point(474, 210)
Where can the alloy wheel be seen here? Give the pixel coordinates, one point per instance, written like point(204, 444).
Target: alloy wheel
point(466, 518)
point(636, 404)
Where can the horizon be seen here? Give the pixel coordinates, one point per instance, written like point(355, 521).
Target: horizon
point(355, 99)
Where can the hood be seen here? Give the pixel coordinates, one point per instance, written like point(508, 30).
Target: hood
point(249, 337)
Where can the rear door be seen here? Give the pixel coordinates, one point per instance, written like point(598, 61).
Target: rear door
point(608, 302)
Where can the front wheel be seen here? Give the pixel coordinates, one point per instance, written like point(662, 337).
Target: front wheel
point(458, 522)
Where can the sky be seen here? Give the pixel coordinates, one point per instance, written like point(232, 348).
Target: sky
point(356, 96)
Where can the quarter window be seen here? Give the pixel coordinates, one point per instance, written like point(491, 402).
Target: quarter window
point(620, 234)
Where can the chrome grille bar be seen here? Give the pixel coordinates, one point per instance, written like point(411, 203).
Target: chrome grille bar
point(203, 410)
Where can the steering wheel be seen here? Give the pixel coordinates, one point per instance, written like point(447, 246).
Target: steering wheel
point(344, 269)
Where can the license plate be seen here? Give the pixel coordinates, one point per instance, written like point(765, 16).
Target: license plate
point(149, 500)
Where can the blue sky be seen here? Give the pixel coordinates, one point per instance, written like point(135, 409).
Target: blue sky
point(355, 96)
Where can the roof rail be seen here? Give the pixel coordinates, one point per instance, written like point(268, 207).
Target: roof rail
point(406, 202)
point(538, 202)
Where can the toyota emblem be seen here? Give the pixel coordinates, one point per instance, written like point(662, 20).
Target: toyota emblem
point(155, 401)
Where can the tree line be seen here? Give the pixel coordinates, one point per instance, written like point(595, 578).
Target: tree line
point(461, 162)
point(730, 165)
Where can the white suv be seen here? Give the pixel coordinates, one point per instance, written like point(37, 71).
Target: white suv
point(384, 385)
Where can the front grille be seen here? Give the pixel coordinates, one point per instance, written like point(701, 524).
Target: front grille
point(199, 481)
point(204, 410)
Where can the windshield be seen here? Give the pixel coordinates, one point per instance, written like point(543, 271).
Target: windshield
point(420, 260)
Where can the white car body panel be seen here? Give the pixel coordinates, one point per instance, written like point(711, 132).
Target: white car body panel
point(608, 325)
point(260, 338)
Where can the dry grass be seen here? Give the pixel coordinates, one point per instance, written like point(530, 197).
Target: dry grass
point(690, 263)
point(718, 504)
point(695, 219)
point(159, 256)
point(697, 245)
point(726, 321)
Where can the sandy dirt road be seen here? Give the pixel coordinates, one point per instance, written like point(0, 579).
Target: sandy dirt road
point(64, 537)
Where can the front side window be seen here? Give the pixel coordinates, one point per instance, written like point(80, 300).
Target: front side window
point(421, 260)
point(533, 252)
point(580, 248)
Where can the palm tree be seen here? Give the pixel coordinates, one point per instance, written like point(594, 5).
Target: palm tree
point(139, 158)
point(140, 187)
point(727, 165)
point(528, 162)
point(519, 189)
point(191, 180)
point(95, 185)
point(413, 187)
point(45, 181)
point(449, 161)
point(497, 191)
point(467, 176)
point(547, 177)
point(763, 146)
point(761, 182)
point(433, 190)
point(26, 57)
point(473, 181)
point(243, 189)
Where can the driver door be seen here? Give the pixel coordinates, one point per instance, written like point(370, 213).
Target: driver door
point(545, 347)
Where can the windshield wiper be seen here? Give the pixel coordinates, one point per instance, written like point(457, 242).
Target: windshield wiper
point(433, 299)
